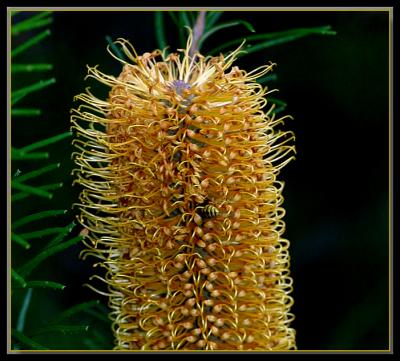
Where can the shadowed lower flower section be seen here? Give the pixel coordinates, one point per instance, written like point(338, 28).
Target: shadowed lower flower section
point(182, 205)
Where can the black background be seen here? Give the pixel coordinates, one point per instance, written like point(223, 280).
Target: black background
point(337, 190)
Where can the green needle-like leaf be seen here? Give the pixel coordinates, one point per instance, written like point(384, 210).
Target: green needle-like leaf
point(45, 142)
point(15, 155)
point(42, 284)
point(281, 104)
point(65, 231)
point(103, 308)
point(279, 110)
point(223, 26)
point(98, 315)
point(24, 310)
point(25, 112)
point(270, 43)
point(183, 19)
point(45, 284)
point(74, 310)
point(65, 329)
point(36, 216)
point(276, 101)
point(32, 190)
point(192, 15)
point(115, 48)
point(41, 19)
point(267, 78)
point(91, 345)
point(38, 24)
point(48, 187)
point(101, 338)
point(174, 18)
point(20, 240)
point(176, 21)
point(38, 172)
point(101, 313)
point(159, 29)
point(29, 43)
point(42, 233)
point(25, 340)
point(29, 68)
point(19, 279)
point(212, 17)
point(20, 93)
point(276, 38)
point(28, 267)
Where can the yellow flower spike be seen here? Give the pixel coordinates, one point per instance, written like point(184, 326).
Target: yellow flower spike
point(182, 205)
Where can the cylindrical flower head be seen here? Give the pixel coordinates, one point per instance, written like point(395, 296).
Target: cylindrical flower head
point(181, 203)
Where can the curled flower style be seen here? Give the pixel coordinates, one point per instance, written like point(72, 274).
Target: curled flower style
point(182, 204)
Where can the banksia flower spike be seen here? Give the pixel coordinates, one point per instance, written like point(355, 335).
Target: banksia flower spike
point(182, 206)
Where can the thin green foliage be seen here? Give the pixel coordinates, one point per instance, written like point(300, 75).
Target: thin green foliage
point(100, 312)
point(25, 112)
point(21, 283)
point(174, 18)
point(30, 156)
point(224, 26)
point(281, 104)
point(115, 49)
point(39, 20)
point(65, 231)
point(19, 279)
point(47, 187)
point(37, 216)
point(31, 190)
point(192, 15)
point(23, 190)
point(29, 68)
point(82, 307)
point(212, 17)
point(38, 172)
point(39, 24)
point(184, 19)
point(20, 240)
point(45, 142)
point(17, 95)
point(267, 78)
point(91, 345)
point(276, 101)
point(65, 329)
point(24, 310)
point(273, 39)
point(274, 42)
point(43, 284)
point(42, 233)
point(98, 315)
point(29, 43)
point(25, 340)
point(160, 29)
point(100, 338)
point(102, 308)
point(28, 267)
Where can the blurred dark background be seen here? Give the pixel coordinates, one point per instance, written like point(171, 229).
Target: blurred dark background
point(336, 193)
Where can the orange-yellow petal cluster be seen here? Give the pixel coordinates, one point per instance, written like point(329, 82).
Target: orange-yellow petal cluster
point(182, 204)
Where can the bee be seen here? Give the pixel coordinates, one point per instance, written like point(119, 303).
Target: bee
point(210, 211)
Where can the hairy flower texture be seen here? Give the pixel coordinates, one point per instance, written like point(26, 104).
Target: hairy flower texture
point(181, 204)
